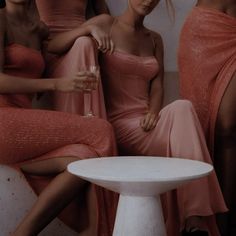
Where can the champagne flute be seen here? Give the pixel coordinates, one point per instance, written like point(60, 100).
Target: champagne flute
point(89, 87)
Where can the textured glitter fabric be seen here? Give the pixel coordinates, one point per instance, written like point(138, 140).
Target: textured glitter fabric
point(207, 62)
point(178, 133)
point(29, 135)
point(62, 16)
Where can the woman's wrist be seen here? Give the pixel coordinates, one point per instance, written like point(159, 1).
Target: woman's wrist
point(50, 84)
point(87, 29)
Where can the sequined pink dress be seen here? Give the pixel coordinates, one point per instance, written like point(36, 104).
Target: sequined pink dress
point(177, 134)
point(207, 63)
point(62, 16)
point(29, 135)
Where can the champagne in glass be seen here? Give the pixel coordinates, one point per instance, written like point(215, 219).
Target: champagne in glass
point(89, 86)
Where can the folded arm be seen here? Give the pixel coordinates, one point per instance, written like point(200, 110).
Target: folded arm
point(97, 27)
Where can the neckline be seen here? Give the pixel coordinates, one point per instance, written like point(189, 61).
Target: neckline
point(23, 46)
point(133, 55)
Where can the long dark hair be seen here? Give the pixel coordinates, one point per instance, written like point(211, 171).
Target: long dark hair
point(2, 3)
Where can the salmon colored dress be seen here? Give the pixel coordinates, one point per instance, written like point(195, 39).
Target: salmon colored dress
point(30, 135)
point(207, 63)
point(178, 133)
point(62, 16)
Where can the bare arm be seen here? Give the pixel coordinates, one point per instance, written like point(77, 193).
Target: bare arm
point(64, 41)
point(149, 121)
point(12, 84)
point(157, 92)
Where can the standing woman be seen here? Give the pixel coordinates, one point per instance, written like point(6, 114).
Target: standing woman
point(132, 72)
point(207, 66)
point(40, 142)
point(64, 19)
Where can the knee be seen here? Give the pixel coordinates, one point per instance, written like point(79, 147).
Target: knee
point(182, 106)
point(84, 42)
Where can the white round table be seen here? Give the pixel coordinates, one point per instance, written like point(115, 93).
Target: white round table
point(139, 180)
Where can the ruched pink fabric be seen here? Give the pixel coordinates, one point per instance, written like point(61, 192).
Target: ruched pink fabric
point(207, 62)
point(62, 16)
point(29, 135)
point(178, 133)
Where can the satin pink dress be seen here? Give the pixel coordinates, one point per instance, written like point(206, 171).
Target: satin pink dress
point(178, 133)
point(207, 63)
point(62, 16)
point(30, 135)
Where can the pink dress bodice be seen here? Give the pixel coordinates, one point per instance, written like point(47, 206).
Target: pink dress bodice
point(22, 62)
point(61, 15)
point(126, 80)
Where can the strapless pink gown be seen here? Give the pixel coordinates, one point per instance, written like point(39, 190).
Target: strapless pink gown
point(29, 135)
point(178, 133)
point(62, 16)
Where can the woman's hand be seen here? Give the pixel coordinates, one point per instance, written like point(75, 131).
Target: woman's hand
point(102, 38)
point(81, 81)
point(149, 121)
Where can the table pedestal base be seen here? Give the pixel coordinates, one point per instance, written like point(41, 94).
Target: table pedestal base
point(139, 216)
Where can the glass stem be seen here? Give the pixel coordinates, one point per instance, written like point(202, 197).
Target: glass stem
point(88, 103)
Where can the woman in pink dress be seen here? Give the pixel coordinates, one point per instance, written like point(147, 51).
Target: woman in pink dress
point(41, 142)
point(210, 32)
point(133, 84)
point(70, 53)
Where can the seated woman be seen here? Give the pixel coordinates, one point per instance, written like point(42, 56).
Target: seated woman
point(64, 19)
point(41, 142)
point(207, 65)
point(133, 85)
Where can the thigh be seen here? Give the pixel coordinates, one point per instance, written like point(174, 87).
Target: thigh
point(27, 133)
point(226, 118)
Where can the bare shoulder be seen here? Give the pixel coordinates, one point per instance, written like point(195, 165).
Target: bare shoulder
point(105, 18)
point(158, 39)
point(159, 48)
